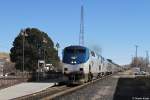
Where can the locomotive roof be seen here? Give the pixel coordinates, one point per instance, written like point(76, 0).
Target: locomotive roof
point(76, 47)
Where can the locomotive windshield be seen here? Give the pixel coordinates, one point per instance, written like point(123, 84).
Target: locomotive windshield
point(75, 51)
point(75, 55)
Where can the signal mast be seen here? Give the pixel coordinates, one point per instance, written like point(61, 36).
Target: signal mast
point(81, 34)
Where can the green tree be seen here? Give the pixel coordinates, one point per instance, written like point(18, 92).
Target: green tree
point(37, 46)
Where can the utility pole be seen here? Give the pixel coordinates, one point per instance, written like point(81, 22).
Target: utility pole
point(23, 34)
point(136, 46)
point(81, 35)
point(147, 58)
point(136, 61)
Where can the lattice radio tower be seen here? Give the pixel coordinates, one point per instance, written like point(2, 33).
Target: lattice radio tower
point(81, 34)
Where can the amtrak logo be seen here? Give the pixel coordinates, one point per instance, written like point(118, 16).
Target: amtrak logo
point(73, 57)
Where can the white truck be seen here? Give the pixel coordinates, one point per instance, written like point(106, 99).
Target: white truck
point(136, 71)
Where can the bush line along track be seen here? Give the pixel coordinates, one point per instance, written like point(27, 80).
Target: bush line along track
point(56, 91)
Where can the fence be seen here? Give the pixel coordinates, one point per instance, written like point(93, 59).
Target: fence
point(7, 81)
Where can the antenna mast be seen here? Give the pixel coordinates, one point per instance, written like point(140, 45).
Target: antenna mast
point(81, 35)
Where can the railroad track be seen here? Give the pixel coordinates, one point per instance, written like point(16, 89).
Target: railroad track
point(72, 89)
point(56, 91)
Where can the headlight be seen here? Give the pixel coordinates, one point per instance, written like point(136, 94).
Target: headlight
point(73, 62)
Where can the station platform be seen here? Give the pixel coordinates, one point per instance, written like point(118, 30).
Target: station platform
point(23, 89)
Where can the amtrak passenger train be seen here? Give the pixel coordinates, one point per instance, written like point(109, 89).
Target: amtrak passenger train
point(80, 64)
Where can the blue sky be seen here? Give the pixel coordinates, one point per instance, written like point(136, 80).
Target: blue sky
point(114, 25)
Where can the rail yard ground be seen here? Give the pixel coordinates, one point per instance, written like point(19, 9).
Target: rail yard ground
point(123, 86)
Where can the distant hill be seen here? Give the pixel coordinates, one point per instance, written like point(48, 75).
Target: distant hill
point(4, 55)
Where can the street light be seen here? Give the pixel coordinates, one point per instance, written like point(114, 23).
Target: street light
point(23, 40)
point(24, 34)
point(44, 46)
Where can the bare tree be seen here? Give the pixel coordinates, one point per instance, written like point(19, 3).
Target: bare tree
point(138, 62)
point(9, 67)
